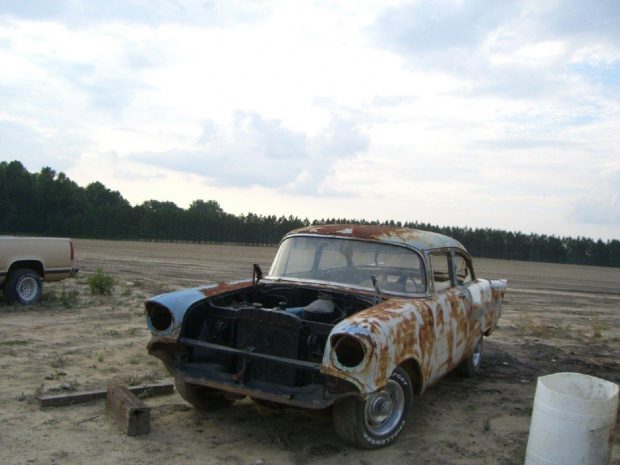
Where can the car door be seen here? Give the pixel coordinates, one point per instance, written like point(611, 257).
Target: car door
point(451, 313)
point(466, 283)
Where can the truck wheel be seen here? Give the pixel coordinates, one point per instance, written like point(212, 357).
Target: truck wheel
point(201, 397)
point(378, 420)
point(23, 286)
point(471, 365)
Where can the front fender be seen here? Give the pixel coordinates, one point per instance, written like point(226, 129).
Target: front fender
point(178, 302)
point(391, 333)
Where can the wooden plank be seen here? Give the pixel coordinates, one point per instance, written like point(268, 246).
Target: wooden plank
point(132, 415)
point(62, 400)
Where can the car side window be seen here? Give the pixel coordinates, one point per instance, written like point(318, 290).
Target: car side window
point(440, 263)
point(464, 271)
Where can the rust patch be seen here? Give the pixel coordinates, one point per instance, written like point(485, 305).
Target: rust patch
point(420, 240)
point(437, 333)
point(221, 288)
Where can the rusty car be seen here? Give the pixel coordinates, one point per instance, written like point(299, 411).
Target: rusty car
point(357, 319)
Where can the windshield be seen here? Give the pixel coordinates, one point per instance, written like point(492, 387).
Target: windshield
point(350, 262)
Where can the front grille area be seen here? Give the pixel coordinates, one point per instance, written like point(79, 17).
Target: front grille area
point(268, 332)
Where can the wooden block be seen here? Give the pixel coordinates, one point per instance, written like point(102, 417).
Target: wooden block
point(131, 414)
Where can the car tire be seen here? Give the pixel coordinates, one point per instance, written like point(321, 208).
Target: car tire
point(201, 397)
point(379, 419)
point(23, 286)
point(470, 367)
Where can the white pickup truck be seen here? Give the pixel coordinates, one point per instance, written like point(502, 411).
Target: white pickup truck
point(25, 262)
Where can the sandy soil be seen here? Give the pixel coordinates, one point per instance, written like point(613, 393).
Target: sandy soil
point(556, 318)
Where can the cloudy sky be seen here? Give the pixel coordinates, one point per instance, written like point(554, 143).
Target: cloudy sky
point(500, 114)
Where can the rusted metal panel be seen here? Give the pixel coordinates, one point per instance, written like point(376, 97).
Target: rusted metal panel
point(391, 333)
point(420, 240)
point(178, 302)
point(437, 333)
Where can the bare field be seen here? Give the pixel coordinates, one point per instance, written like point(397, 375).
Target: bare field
point(555, 318)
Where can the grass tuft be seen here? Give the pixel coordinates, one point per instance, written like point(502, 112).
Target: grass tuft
point(101, 283)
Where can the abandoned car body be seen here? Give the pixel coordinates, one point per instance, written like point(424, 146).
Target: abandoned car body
point(361, 318)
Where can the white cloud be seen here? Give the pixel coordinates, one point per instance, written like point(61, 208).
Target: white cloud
point(253, 151)
point(468, 112)
point(83, 14)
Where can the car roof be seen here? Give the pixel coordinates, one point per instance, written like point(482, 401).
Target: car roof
point(420, 240)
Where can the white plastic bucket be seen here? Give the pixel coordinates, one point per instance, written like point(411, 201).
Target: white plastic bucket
point(573, 421)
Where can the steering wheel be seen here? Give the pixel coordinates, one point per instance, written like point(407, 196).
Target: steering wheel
point(404, 276)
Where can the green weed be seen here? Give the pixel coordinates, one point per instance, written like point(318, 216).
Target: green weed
point(111, 332)
point(101, 283)
point(67, 299)
point(487, 426)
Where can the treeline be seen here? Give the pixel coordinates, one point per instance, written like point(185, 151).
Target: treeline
point(50, 204)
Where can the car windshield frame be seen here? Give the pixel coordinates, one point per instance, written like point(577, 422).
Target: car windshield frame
point(353, 263)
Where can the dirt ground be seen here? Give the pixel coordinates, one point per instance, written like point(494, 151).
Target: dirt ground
point(555, 318)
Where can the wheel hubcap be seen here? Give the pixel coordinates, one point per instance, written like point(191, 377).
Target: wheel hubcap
point(384, 410)
point(380, 408)
point(27, 289)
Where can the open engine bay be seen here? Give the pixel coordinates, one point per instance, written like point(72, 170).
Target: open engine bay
point(291, 321)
